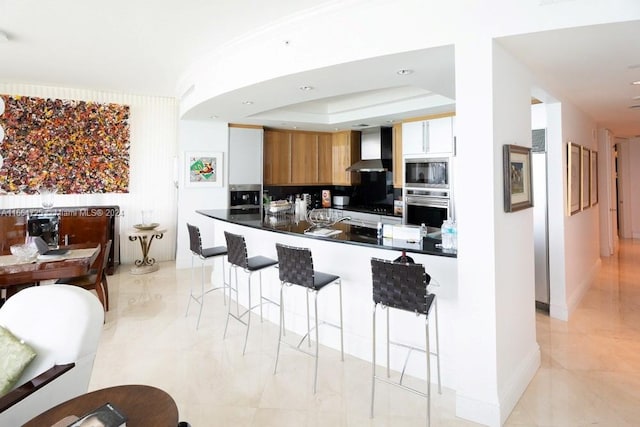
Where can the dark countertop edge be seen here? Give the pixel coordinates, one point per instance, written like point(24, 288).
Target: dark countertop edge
point(222, 215)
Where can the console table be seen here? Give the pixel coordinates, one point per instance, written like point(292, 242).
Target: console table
point(88, 225)
point(147, 264)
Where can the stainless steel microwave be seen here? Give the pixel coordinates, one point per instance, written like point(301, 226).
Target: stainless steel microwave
point(427, 172)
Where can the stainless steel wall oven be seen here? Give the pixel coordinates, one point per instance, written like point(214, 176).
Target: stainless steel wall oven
point(426, 207)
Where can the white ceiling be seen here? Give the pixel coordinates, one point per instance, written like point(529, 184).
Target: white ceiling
point(143, 48)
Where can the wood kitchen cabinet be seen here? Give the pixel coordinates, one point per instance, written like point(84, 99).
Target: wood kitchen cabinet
point(304, 158)
point(325, 159)
point(277, 157)
point(346, 151)
point(297, 157)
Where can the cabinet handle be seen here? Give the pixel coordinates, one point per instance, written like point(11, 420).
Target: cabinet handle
point(425, 137)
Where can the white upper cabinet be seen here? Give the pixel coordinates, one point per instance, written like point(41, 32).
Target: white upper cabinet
point(428, 136)
point(245, 155)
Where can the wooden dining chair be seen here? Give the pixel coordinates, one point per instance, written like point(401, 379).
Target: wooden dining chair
point(96, 279)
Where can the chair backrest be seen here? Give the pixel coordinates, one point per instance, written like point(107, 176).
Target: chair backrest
point(62, 323)
point(102, 261)
point(236, 250)
point(195, 240)
point(400, 285)
point(295, 265)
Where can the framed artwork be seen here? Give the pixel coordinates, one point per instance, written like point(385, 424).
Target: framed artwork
point(518, 193)
point(573, 178)
point(585, 177)
point(203, 169)
point(594, 178)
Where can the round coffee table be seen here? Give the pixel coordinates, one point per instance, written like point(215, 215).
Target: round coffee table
point(142, 405)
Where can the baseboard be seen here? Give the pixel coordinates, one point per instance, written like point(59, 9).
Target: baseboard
point(495, 414)
point(563, 311)
point(518, 382)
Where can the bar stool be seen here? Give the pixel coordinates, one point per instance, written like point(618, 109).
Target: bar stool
point(296, 268)
point(195, 244)
point(403, 286)
point(238, 259)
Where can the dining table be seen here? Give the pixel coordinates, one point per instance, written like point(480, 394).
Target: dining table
point(77, 261)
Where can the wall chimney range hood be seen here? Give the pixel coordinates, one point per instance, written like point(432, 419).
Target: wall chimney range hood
point(376, 150)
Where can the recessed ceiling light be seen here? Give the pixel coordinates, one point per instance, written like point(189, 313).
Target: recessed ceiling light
point(404, 72)
point(247, 102)
point(637, 82)
point(306, 87)
point(213, 117)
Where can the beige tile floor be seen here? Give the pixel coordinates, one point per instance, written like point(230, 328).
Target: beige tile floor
point(590, 372)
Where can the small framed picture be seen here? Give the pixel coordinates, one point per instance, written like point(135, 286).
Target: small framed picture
point(585, 176)
point(573, 178)
point(518, 192)
point(594, 177)
point(203, 169)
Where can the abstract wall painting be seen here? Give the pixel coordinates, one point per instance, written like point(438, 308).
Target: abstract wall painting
point(74, 146)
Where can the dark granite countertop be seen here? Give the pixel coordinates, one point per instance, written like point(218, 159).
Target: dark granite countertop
point(349, 233)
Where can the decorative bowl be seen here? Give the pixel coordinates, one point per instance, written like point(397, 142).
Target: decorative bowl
point(146, 226)
point(279, 206)
point(24, 252)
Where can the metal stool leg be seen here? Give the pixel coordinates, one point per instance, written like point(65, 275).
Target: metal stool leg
point(315, 308)
point(246, 335)
point(437, 322)
point(341, 328)
point(428, 355)
point(281, 325)
point(373, 362)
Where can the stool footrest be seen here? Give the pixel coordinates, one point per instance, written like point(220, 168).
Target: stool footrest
point(402, 386)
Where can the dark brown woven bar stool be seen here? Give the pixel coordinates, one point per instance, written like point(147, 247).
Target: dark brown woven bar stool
point(296, 268)
point(204, 254)
point(238, 259)
point(403, 286)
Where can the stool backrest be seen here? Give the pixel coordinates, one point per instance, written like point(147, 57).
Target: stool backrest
point(236, 250)
point(400, 285)
point(195, 241)
point(295, 265)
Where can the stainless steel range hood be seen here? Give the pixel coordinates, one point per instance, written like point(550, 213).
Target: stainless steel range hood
point(376, 151)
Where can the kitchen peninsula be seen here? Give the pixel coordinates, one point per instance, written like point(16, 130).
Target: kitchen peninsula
point(347, 254)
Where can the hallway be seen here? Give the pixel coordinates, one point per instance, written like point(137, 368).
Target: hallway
point(590, 372)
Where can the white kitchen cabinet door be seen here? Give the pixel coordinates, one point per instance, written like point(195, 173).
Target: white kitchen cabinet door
point(440, 135)
point(245, 155)
point(413, 138)
point(428, 136)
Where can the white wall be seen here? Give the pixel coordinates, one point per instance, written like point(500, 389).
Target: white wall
point(199, 136)
point(518, 355)
point(153, 130)
point(581, 230)
point(634, 177)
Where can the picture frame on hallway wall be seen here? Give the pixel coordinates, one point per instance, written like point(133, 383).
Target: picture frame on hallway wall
point(594, 178)
point(518, 192)
point(585, 177)
point(573, 178)
point(203, 169)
